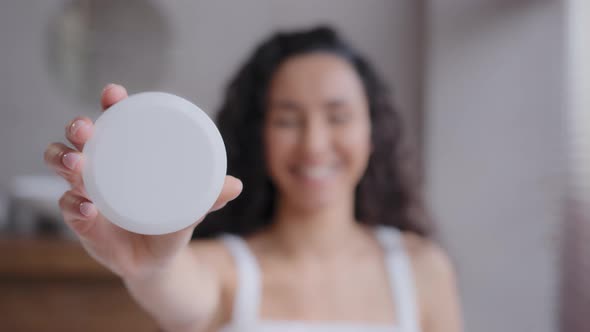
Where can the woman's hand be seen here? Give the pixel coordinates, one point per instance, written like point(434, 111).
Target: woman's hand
point(130, 255)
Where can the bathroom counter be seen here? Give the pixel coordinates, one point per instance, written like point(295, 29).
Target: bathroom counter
point(51, 284)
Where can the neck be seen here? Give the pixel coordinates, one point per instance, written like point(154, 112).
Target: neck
point(314, 232)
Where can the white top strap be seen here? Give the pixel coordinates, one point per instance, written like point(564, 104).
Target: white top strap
point(247, 297)
point(400, 278)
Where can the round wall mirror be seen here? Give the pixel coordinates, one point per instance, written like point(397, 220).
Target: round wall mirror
point(95, 42)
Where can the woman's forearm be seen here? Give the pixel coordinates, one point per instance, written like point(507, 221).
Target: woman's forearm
point(184, 296)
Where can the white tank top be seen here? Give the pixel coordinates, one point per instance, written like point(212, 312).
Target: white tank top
point(247, 298)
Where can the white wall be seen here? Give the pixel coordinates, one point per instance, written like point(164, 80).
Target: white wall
point(209, 39)
point(495, 161)
point(576, 265)
point(578, 92)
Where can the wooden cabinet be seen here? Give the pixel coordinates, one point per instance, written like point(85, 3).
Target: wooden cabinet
point(51, 284)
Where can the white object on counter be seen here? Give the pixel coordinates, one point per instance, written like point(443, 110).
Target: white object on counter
point(40, 192)
point(31, 196)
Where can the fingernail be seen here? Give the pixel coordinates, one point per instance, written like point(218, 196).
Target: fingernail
point(87, 209)
point(76, 126)
point(71, 159)
point(109, 86)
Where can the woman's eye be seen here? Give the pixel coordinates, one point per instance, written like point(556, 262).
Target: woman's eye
point(286, 121)
point(338, 118)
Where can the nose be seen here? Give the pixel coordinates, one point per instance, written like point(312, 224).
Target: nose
point(315, 141)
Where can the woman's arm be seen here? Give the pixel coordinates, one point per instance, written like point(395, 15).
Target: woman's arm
point(184, 296)
point(164, 273)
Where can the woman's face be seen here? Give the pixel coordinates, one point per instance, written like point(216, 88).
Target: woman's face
point(317, 130)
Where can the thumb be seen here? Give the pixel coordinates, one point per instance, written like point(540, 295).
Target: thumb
point(232, 187)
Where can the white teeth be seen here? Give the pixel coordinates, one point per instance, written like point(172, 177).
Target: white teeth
point(317, 172)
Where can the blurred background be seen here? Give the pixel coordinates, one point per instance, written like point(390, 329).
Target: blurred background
point(495, 94)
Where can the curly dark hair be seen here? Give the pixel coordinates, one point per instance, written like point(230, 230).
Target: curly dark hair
point(386, 194)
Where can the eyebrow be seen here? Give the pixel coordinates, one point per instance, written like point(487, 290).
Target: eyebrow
point(289, 105)
point(334, 103)
point(286, 105)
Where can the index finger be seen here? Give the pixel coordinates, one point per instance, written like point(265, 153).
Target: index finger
point(112, 94)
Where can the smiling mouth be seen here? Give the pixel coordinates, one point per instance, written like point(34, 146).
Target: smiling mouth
point(315, 173)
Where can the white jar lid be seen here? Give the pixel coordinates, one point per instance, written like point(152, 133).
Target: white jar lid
point(155, 164)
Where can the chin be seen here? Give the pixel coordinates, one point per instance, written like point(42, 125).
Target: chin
point(311, 193)
point(314, 200)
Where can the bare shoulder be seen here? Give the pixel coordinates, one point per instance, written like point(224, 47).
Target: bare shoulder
point(434, 276)
point(214, 253)
point(428, 259)
point(213, 250)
